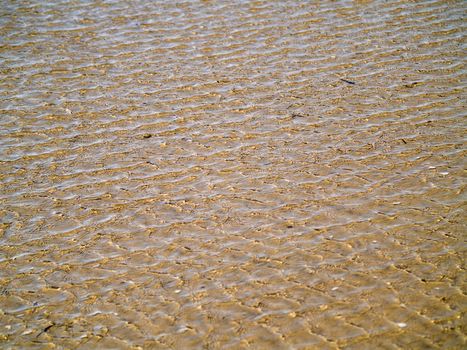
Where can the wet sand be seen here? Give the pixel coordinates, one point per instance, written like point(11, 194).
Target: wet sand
point(232, 175)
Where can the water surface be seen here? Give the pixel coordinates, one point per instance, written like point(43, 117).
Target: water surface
point(232, 174)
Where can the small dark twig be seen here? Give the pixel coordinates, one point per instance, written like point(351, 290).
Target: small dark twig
point(45, 329)
point(297, 115)
point(348, 81)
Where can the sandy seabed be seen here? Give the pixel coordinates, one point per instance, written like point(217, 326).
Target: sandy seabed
point(232, 175)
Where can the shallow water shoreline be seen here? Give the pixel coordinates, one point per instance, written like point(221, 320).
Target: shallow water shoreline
point(232, 175)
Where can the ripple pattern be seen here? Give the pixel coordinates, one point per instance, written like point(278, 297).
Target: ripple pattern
point(232, 174)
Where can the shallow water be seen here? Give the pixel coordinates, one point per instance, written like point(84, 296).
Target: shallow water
point(196, 174)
